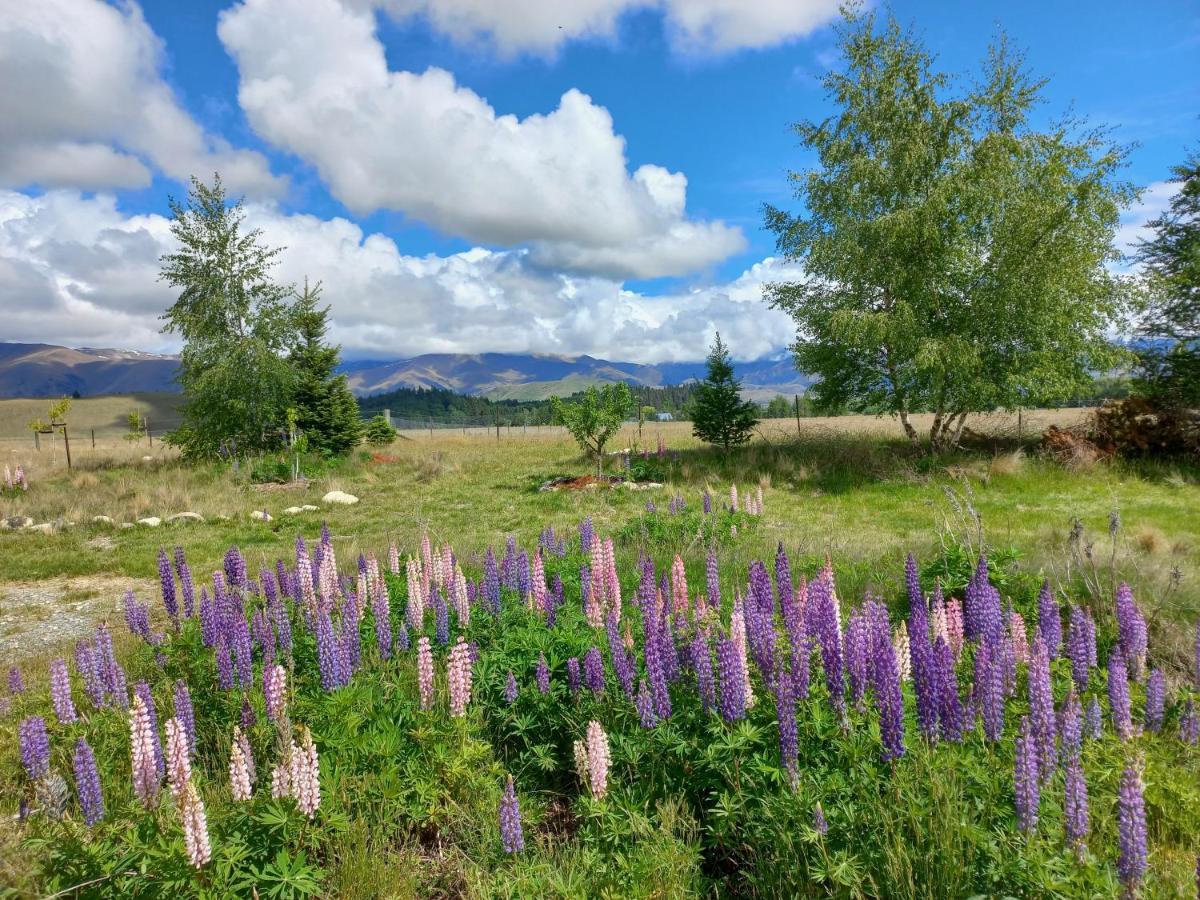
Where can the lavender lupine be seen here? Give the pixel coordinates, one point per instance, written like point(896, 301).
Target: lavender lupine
point(1189, 723)
point(989, 689)
point(1041, 709)
point(926, 682)
point(1156, 691)
point(587, 534)
point(425, 672)
point(442, 614)
point(142, 689)
point(511, 836)
point(1075, 805)
point(87, 664)
point(1077, 648)
point(916, 600)
point(1131, 630)
point(35, 747)
point(185, 712)
point(1025, 779)
point(574, 678)
point(656, 663)
point(593, 670)
point(60, 692)
point(1118, 694)
point(820, 824)
point(1070, 726)
point(783, 583)
point(510, 688)
point(1131, 827)
point(884, 676)
point(645, 706)
point(701, 657)
point(731, 679)
point(491, 582)
point(621, 663)
point(1050, 620)
point(826, 627)
point(225, 665)
point(327, 656)
point(1093, 722)
point(243, 652)
point(785, 714)
point(87, 783)
point(857, 655)
point(542, 674)
point(712, 581)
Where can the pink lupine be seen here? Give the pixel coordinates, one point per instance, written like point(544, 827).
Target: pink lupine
point(595, 758)
point(305, 775)
point(142, 757)
point(538, 592)
point(679, 587)
point(954, 625)
point(415, 613)
point(426, 569)
point(902, 648)
point(179, 763)
point(733, 498)
point(759, 500)
point(462, 605)
point(239, 770)
point(425, 672)
point(458, 671)
point(1020, 637)
point(275, 692)
point(195, 827)
point(281, 775)
point(394, 559)
point(737, 634)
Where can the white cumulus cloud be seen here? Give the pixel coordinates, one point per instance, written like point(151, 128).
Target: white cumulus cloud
point(420, 143)
point(84, 104)
point(76, 270)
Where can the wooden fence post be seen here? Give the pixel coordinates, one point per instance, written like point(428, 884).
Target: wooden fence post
point(797, 398)
point(93, 438)
point(67, 445)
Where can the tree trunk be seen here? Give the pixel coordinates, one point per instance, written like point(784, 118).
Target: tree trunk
point(958, 430)
point(908, 427)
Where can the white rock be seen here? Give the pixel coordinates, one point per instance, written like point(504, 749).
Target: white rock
point(16, 522)
point(294, 510)
point(339, 497)
point(185, 517)
point(126, 525)
point(150, 521)
point(44, 528)
point(102, 520)
point(260, 515)
point(308, 507)
point(147, 459)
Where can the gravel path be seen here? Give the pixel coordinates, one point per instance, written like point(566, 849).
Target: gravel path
point(37, 616)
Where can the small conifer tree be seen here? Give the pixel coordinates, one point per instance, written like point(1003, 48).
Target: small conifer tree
point(719, 414)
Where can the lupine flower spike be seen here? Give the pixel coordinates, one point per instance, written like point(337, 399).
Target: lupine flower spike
point(511, 835)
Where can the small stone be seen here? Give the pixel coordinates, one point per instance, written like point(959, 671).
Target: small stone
point(102, 520)
point(340, 497)
point(44, 528)
point(147, 459)
point(308, 507)
point(185, 517)
point(294, 510)
point(16, 522)
point(150, 521)
point(260, 515)
point(126, 525)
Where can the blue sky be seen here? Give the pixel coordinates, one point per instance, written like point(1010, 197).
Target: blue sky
point(378, 182)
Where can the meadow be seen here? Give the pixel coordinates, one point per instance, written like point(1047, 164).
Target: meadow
point(783, 706)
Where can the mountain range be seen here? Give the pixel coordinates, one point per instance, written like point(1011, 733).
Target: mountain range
point(45, 370)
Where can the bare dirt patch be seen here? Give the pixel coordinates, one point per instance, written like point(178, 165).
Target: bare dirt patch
point(35, 616)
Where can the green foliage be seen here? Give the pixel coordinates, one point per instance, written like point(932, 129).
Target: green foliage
point(379, 432)
point(956, 255)
point(136, 423)
point(594, 417)
point(326, 411)
point(236, 327)
point(719, 415)
point(1171, 310)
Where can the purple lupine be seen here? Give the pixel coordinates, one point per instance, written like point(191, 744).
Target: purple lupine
point(542, 675)
point(1131, 827)
point(1196, 654)
point(511, 835)
point(137, 617)
point(820, 825)
point(1041, 708)
point(731, 677)
point(1070, 726)
point(800, 649)
point(1077, 648)
point(856, 655)
point(60, 692)
point(243, 652)
point(87, 664)
point(785, 714)
point(587, 534)
point(573, 677)
point(884, 675)
point(1025, 779)
point(707, 503)
point(825, 627)
point(983, 618)
point(701, 656)
point(989, 689)
point(524, 576)
point(918, 611)
point(1131, 629)
point(510, 688)
point(326, 650)
point(402, 639)
point(166, 580)
point(644, 704)
point(491, 582)
point(1156, 692)
point(926, 681)
point(621, 663)
point(16, 683)
point(185, 712)
point(35, 747)
point(142, 689)
point(442, 616)
point(1093, 723)
point(593, 670)
point(783, 583)
point(712, 580)
point(187, 587)
point(87, 783)
point(208, 620)
point(1189, 723)
point(381, 613)
point(1050, 620)
point(1075, 805)
point(235, 568)
point(1118, 694)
